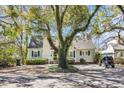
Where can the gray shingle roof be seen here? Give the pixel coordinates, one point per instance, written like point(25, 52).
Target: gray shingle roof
point(36, 42)
point(83, 44)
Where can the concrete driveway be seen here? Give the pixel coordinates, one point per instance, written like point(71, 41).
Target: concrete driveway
point(96, 76)
point(38, 77)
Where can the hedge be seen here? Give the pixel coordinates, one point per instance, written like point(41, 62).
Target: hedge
point(37, 62)
point(70, 61)
point(7, 63)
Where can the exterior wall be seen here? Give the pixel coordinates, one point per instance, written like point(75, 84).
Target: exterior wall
point(119, 53)
point(88, 58)
point(47, 50)
point(29, 55)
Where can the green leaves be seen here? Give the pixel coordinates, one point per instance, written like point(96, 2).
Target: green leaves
point(75, 16)
point(105, 19)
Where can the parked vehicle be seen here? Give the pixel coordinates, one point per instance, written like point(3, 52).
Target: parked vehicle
point(107, 61)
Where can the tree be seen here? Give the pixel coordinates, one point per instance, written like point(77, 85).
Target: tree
point(16, 27)
point(66, 19)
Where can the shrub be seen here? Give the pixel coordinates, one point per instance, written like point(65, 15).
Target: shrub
point(119, 60)
point(97, 57)
point(37, 61)
point(12, 63)
point(70, 61)
point(55, 57)
point(82, 61)
point(7, 63)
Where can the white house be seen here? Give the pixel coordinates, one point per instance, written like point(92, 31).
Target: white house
point(81, 48)
point(115, 47)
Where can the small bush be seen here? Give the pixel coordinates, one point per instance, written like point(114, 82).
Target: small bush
point(11, 63)
point(97, 57)
point(70, 61)
point(82, 61)
point(7, 63)
point(119, 60)
point(37, 62)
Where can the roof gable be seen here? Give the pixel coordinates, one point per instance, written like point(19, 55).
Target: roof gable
point(83, 44)
point(36, 42)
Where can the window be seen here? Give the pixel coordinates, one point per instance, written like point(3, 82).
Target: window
point(88, 53)
point(35, 53)
point(82, 52)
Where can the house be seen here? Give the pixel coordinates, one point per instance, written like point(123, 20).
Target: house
point(39, 48)
point(115, 47)
point(80, 48)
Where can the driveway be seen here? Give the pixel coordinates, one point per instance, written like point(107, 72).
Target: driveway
point(39, 77)
point(99, 77)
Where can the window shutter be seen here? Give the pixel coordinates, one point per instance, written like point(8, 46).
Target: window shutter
point(32, 53)
point(38, 53)
point(89, 53)
point(80, 53)
point(74, 53)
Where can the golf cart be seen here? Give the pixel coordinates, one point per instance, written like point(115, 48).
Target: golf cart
point(107, 61)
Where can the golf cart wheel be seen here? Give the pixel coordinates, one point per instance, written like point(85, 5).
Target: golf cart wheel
point(106, 66)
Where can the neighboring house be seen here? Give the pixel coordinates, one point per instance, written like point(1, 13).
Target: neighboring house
point(81, 48)
point(39, 48)
point(114, 48)
point(35, 48)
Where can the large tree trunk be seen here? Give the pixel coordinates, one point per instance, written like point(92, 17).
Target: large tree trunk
point(62, 58)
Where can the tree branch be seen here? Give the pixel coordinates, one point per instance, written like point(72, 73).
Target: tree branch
point(4, 43)
point(4, 16)
point(59, 25)
point(6, 22)
point(121, 8)
point(117, 27)
point(67, 40)
point(50, 39)
point(63, 14)
point(52, 7)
